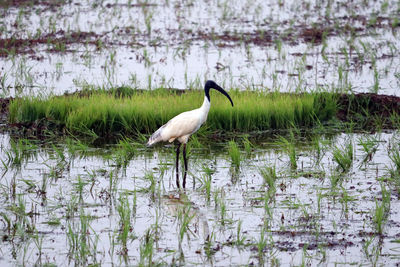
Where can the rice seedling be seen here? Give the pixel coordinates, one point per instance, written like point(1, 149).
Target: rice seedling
point(240, 236)
point(234, 153)
point(124, 212)
point(248, 146)
point(379, 217)
point(376, 87)
point(59, 153)
point(185, 216)
point(367, 244)
point(370, 145)
point(124, 152)
point(268, 210)
point(7, 221)
point(394, 156)
point(220, 206)
point(19, 152)
point(102, 115)
point(381, 212)
point(147, 248)
point(149, 176)
point(71, 207)
point(335, 179)
point(394, 168)
point(79, 239)
point(319, 146)
point(222, 211)
point(290, 148)
point(205, 181)
point(372, 250)
point(208, 246)
point(269, 177)
point(19, 225)
point(343, 156)
point(305, 256)
point(344, 200)
point(79, 186)
point(5, 166)
point(75, 146)
point(38, 241)
point(3, 84)
point(261, 244)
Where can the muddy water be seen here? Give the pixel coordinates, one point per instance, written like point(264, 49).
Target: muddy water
point(305, 219)
point(50, 48)
point(49, 197)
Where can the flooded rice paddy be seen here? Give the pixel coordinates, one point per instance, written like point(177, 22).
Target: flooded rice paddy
point(54, 47)
point(298, 197)
point(70, 204)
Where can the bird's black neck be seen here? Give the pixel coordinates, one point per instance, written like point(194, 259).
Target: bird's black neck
point(207, 93)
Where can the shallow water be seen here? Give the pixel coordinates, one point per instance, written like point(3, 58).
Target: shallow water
point(251, 45)
point(61, 200)
point(305, 210)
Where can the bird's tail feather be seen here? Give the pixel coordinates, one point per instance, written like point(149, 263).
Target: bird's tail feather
point(155, 137)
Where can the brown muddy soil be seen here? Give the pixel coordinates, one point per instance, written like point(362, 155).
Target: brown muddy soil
point(4, 102)
point(300, 33)
point(58, 42)
point(61, 41)
point(19, 3)
point(370, 110)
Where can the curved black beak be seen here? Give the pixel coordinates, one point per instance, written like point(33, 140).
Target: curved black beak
point(211, 84)
point(222, 91)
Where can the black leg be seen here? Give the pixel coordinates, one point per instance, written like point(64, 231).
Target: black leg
point(186, 167)
point(177, 164)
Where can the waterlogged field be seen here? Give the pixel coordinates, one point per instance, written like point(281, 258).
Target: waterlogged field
point(49, 47)
point(316, 199)
point(279, 179)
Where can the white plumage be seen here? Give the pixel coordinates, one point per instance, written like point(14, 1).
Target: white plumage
point(182, 126)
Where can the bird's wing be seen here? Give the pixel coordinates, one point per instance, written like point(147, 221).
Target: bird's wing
point(185, 123)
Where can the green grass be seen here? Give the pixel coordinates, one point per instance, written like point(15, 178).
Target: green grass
point(381, 212)
point(290, 147)
point(343, 156)
point(127, 111)
point(124, 212)
point(369, 145)
point(234, 153)
point(269, 176)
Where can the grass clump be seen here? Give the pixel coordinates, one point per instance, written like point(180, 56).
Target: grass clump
point(142, 112)
point(382, 209)
point(290, 147)
point(124, 212)
point(369, 145)
point(343, 156)
point(234, 153)
point(269, 176)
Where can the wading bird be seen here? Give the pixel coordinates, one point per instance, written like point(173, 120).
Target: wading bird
point(182, 126)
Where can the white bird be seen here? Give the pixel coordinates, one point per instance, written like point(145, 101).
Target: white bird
point(182, 126)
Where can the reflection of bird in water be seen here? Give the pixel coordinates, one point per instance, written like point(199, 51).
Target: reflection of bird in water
point(180, 206)
point(182, 126)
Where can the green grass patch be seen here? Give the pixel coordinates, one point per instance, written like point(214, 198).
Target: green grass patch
point(142, 112)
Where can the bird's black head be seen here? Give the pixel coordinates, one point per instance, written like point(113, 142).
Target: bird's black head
point(211, 84)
